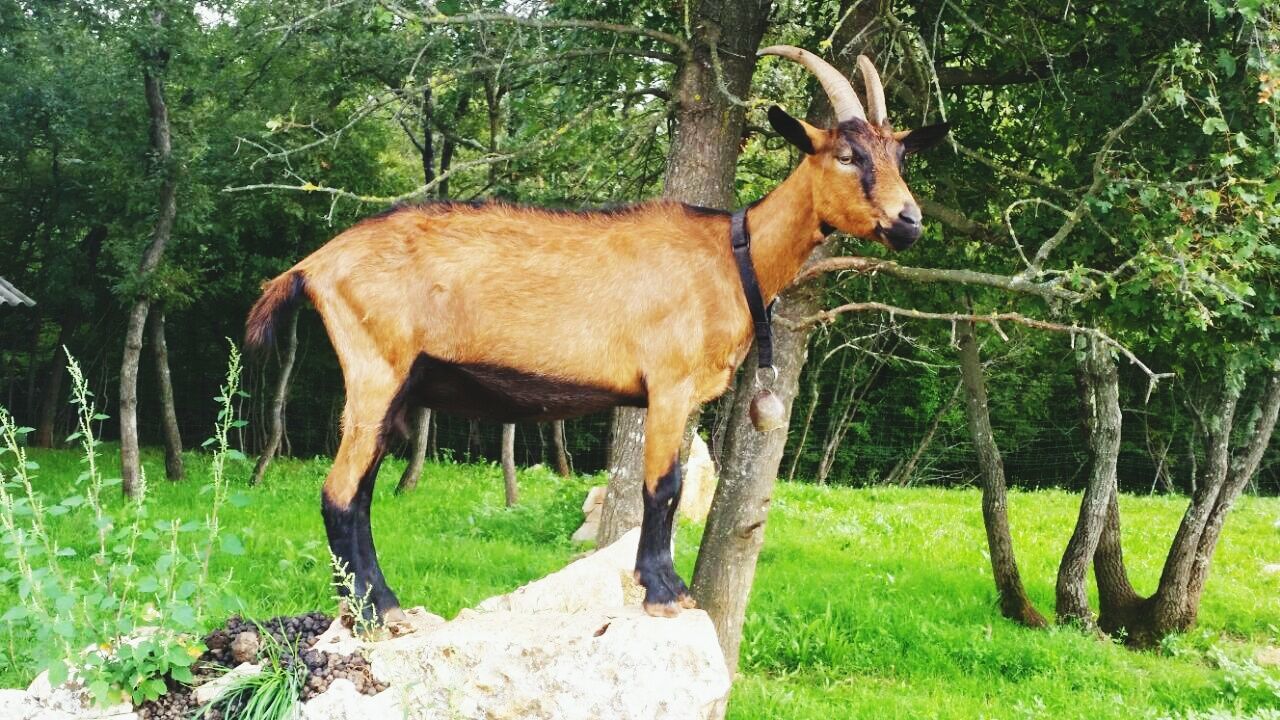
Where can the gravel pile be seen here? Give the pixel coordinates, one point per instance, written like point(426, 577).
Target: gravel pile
point(239, 641)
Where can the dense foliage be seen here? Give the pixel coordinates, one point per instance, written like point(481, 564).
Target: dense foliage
point(332, 110)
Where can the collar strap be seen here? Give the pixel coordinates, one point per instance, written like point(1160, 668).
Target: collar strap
point(740, 238)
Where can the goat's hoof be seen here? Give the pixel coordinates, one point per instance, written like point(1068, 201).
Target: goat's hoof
point(397, 622)
point(687, 602)
point(667, 610)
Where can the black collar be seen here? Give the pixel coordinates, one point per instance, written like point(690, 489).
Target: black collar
point(740, 237)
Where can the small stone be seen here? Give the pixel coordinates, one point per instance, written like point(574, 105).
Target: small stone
point(1271, 569)
point(1268, 656)
point(244, 649)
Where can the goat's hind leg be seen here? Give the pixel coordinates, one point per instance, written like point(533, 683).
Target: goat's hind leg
point(346, 502)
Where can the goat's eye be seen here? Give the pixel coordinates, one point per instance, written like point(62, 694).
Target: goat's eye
point(845, 159)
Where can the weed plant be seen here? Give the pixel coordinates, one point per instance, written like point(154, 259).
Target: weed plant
point(121, 625)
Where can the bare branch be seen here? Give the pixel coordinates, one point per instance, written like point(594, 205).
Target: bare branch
point(1099, 179)
point(866, 265)
point(570, 23)
point(993, 319)
point(486, 160)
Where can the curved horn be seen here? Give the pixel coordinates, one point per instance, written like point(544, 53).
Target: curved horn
point(875, 91)
point(844, 101)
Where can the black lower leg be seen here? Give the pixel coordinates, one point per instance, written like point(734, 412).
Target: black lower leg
point(351, 542)
point(654, 566)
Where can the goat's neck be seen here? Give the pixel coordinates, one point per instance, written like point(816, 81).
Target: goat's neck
point(784, 230)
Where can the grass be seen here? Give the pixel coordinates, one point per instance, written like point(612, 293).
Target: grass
point(868, 603)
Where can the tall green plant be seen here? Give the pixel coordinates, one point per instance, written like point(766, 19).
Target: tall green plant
point(129, 624)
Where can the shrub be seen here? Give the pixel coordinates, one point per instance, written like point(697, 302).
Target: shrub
point(90, 623)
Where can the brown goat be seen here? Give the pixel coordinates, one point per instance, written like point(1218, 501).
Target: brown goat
point(511, 313)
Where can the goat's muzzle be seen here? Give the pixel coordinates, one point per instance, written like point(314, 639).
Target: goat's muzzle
point(905, 230)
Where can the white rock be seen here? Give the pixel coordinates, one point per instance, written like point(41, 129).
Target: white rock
point(699, 483)
point(1271, 569)
point(600, 663)
point(595, 499)
point(16, 705)
point(603, 579)
point(593, 509)
point(588, 532)
point(343, 702)
point(211, 690)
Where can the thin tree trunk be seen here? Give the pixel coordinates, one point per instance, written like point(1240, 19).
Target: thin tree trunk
point(1014, 603)
point(418, 454)
point(1100, 386)
point(623, 504)
point(561, 446)
point(1169, 611)
point(52, 399)
point(1244, 466)
point(130, 467)
point(857, 393)
point(903, 474)
point(275, 431)
point(168, 413)
point(474, 448)
point(798, 450)
point(509, 464)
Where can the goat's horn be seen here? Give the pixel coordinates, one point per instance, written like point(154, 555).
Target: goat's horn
point(844, 101)
point(875, 91)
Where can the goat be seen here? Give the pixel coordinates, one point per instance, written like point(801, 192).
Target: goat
point(510, 313)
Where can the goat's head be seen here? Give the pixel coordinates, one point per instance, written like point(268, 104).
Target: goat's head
point(857, 165)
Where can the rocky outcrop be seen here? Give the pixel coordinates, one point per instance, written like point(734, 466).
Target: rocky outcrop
point(572, 645)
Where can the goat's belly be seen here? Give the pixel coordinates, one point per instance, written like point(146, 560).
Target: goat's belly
point(503, 394)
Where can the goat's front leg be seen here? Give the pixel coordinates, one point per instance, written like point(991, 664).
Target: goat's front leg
point(665, 592)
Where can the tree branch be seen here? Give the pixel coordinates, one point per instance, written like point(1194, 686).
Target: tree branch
point(992, 319)
point(505, 19)
point(866, 265)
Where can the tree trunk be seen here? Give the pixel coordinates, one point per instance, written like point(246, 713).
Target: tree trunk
point(1170, 610)
point(1120, 608)
point(902, 476)
point(1100, 386)
point(734, 534)
point(153, 64)
point(130, 465)
point(1176, 604)
point(1244, 465)
point(52, 399)
point(509, 463)
point(168, 413)
point(700, 170)
point(623, 504)
point(418, 453)
point(275, 431)
point(562, 452)
point(474, 449)
point(1014, 603)
point(734, 531)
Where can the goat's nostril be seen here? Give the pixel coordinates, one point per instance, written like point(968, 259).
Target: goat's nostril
point(910, 215)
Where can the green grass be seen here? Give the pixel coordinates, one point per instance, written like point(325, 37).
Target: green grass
point(868, 603)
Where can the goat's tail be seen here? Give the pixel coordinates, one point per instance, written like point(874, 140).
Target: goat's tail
point(279, 296)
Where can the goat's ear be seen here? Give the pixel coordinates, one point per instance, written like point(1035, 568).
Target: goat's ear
point(922, 138)
point(797, 132)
